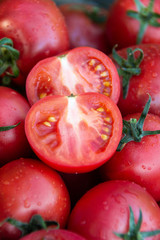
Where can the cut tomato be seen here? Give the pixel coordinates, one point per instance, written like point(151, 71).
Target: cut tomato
point(80, 70)
point(74, 134)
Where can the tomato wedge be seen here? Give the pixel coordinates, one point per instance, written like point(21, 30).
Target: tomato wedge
point(74, 134)
point(80, 70)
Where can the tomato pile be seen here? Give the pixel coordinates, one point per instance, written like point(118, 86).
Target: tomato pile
point(80, 120)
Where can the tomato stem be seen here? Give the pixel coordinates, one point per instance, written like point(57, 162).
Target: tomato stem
point(134, 229)
point(133, 129)
point(36, 223)
point(146, 16)
point(8, 61)
point(128, 67)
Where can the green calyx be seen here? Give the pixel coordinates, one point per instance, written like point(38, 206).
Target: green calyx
point(6, 128)
point(134, 229)
point(128, 67)
point(133, 129)
point(8, 61)
point(145, 16)
point(36, 223)
point(93, 13)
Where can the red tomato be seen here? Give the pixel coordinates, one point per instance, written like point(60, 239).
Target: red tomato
point(76, 133)
point(53, 234)
point(29, 187)
point(37, 28)
point(147, 82)
point(13, 143)
point(79, 70)
point(86, 25)
point(123, 30)
point(104, 210)
point(139, 161)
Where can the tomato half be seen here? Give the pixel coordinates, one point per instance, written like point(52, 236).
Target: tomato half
point(74, 134)
point(29, 187)
point(80, 70)
point(37, 28)
point(104, 210)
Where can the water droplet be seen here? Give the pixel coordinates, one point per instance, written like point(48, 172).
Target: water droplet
point(26, 203)
point(154, 75)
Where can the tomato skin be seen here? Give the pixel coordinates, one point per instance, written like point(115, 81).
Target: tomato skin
point(56, 234)
point(147, 82)
point(75, 139)
point(105, 209)
point(123, 30)
point(139, 161)
point(38, 30)
point(39, 190)
point(13, 143)
point(83, 31)
point(80, 70)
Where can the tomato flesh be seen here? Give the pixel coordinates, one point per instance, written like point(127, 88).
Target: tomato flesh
point(74, 134)
point(78, 71)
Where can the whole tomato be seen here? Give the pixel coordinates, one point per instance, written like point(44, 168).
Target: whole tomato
point(86, 25)
point(116, 208)
point(137, 156)
point(13, 142)
point(53, 234)
point(37, 29)
point(29, 187)
point(132, 22)
point(139, 71)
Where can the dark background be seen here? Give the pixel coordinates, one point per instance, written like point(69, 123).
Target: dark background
point(100, 3)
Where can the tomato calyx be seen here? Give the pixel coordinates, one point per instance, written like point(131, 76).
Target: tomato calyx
point(145, 16)
point(6, 128)
point(133, 129)
point(8, 61)
point(94, 13)
point(128, 67)
point(134, 229)
point(36, 223)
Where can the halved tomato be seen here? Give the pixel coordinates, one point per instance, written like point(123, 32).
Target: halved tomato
point(76, 133)
point(80, 70)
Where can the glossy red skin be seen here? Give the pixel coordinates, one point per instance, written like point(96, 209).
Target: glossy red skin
point(139, 161)
point(37, 28)
point(73, 142)
point(13, 143)
point(72, 73)
point(29, 187)
point(82, 30)
point(123, 30)
point(146, 83)
point(58, 234)
point(105, 209)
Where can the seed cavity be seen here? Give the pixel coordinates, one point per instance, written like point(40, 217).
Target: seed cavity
point(42, 95)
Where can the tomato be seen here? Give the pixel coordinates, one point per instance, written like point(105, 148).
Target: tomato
point(126, 30)
point(76, 133)
point(139, 161)
point(58, 234)
point(37, 28)
point(13, 143)
point(80, 70)
point(29, 187)
point(86, 25)
point(147, 82)
point(104, 210)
